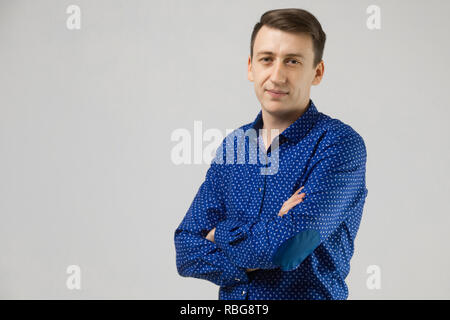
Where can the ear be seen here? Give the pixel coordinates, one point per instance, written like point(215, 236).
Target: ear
point(320, 69)
point(249, 72)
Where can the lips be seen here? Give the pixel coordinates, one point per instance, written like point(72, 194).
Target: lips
point(277, 91)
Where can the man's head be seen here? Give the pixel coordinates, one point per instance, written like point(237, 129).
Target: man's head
point(286, 56)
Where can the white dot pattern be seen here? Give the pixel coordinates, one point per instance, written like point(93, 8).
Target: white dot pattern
point(324, 155)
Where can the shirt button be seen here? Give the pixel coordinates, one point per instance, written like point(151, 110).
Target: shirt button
point(259, 189)
point(243, 292)
point(237, 279)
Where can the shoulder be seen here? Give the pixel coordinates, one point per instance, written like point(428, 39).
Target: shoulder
point(336, 136)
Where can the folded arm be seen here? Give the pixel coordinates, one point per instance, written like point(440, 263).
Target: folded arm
point(196, 256)
point(336, 183)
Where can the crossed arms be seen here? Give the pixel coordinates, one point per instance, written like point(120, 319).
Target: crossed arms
point(295, 199)
point(211, 247)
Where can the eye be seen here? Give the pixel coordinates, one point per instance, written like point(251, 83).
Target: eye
point(296, 62)
point(266, 59)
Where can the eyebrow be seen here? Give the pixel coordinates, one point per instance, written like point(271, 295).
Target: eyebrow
point(288, 55)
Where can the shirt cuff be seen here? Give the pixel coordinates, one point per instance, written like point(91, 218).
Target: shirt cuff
point(227, 232)
point(234, 275)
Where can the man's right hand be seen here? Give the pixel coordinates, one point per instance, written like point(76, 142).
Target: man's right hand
point(294, 200)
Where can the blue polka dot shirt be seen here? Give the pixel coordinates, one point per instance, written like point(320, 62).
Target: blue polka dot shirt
point(303, 254)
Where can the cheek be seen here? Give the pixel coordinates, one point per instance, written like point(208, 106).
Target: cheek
point(260, 84)
point(302, 82)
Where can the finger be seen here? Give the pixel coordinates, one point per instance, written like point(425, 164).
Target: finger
point(286, 203)
point(294, 202)
point(295, 198)
point(291, 202)
point(292, 206)
point(283, 211)
point(299, 190)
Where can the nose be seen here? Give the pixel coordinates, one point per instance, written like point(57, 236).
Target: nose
point(278, 75)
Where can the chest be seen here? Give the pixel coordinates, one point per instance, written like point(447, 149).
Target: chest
point(259, 189)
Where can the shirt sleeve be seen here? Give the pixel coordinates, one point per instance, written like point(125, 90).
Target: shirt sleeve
point(335, 187)
point(196, 256)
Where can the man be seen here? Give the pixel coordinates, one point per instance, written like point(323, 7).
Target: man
point(253, 233)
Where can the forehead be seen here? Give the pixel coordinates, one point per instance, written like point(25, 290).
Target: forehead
point(282, 43)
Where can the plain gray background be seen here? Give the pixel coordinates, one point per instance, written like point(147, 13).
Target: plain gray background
point(86, 118)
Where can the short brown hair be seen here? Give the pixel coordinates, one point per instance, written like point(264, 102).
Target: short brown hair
point(296, 21)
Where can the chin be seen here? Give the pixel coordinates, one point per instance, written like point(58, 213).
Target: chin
point(275, 107)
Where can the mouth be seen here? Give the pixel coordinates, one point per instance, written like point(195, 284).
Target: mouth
point(277, 93)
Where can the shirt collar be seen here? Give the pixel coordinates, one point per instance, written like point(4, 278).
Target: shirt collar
point(298, 129)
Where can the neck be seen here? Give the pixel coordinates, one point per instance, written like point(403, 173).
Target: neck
point(280, 121)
